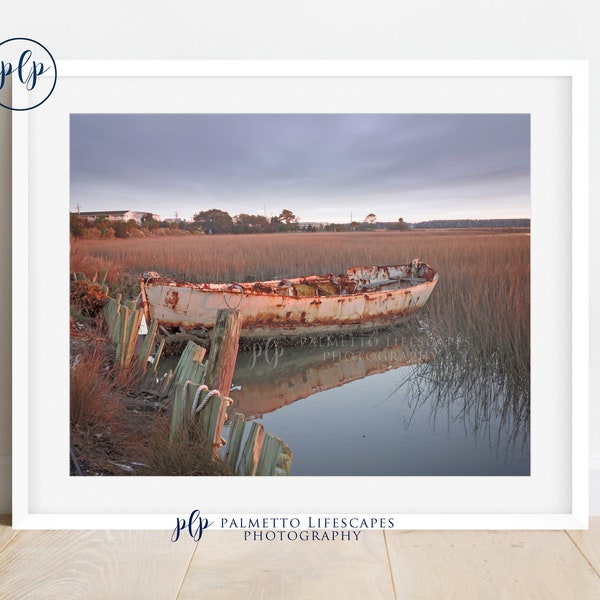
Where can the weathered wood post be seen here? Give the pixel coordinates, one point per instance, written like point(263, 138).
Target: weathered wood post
point(224, 346)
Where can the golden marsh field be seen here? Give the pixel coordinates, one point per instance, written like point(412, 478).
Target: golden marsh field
point(484, 274)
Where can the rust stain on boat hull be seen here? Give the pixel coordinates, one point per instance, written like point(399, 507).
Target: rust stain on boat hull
point(362, 298)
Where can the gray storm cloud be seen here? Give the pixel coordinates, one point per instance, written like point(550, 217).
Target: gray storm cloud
point(318, 165)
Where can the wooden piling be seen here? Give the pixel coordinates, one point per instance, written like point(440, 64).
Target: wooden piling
point(121, 332)
point(275, 457)
point(151, 383)
point(135, 320)
point(224, 345)
point(251, 451)
point(234, 444)
point(190, 367)
point(147, 346)
point(182, 405)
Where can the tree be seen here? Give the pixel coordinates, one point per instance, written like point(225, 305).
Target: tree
point(78, 225)
point(104, 227)
point(149, 222)
point(214, 221)
point(287, 220)
point(371, 219)
point(402, 226)
point(287, 217)
point(120, 228)
point(251, 224)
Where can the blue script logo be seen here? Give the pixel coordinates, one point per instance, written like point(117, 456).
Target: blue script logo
point(195, 525)
point(31, 67)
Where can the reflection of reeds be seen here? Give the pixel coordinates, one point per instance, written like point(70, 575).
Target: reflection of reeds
point(479, 329)
point(478, 337)
point(477, 324)
point(461, 384)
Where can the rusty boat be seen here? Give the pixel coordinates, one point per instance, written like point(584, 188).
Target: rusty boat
point(362, 298)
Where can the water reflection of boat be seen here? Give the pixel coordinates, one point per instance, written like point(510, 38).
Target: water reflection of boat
point(269, 377)
point(360, 299)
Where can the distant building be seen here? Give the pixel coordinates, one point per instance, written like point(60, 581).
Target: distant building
point(117, 215)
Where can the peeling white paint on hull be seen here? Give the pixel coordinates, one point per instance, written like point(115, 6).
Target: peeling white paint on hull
point(362, 298)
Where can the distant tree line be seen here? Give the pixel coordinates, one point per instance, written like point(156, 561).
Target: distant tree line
point(369, 224)
point(101, 227)
point(464, 223)
point(216, 221)
point(213, 221)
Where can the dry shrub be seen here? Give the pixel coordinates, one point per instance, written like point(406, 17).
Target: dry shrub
point(92, 395)
point(88, 297)
point(91, 233)
point(189, 453)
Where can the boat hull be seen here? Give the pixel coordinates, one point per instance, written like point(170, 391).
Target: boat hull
point(194, 306)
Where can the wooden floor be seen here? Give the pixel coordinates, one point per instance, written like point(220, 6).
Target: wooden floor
point(145, 565)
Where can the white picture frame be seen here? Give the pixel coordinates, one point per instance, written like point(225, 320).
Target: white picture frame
point(554, 496)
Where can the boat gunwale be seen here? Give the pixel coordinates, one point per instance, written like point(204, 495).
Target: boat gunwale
point(250, 289)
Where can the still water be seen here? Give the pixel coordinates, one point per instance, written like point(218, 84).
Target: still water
point(365, 406)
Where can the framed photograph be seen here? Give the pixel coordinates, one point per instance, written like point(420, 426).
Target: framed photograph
point(403, 243)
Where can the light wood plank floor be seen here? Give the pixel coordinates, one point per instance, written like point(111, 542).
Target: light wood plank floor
point(412, 565)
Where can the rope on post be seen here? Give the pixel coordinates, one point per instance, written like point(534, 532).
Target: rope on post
point(206, 399)
point(200, 389)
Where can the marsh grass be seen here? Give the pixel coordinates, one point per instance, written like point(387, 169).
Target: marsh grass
point(483, 291)
point(477, 320)
point(258, 257)
point(99, 389)
point(82, 260)
point(188, 453)
point(108, 433)
point(92, 397)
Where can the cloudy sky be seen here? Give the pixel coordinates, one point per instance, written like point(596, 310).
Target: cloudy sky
point(322, 167)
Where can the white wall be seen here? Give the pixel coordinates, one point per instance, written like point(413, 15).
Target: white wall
point(5, 304)
point(338, 29)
